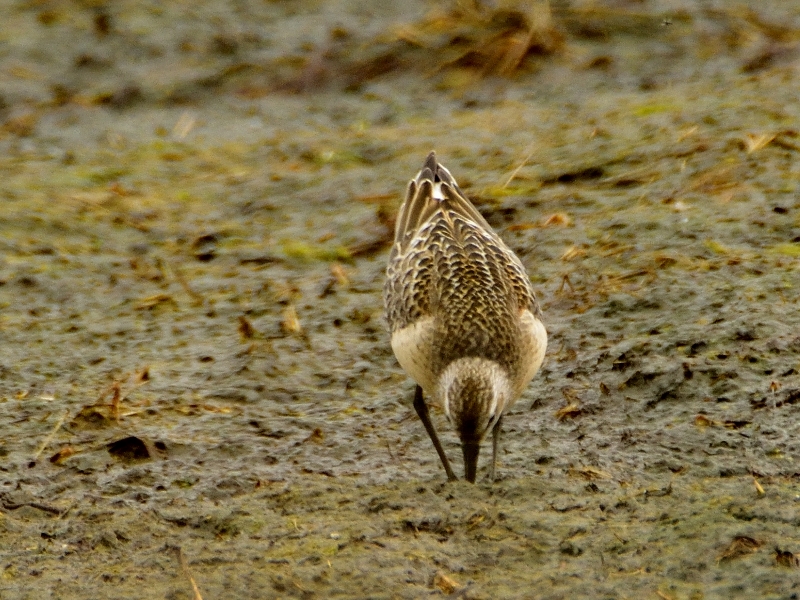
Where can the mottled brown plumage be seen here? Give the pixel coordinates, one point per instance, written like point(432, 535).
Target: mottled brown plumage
point(464, 319)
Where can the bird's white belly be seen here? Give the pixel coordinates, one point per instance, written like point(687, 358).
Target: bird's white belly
point(412, 346)
point(534, 344)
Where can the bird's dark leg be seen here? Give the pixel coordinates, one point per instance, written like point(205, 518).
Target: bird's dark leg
point(495, 445)
point(424, 416)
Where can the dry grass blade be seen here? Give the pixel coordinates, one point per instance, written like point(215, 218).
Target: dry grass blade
point(195, 296)
point(446, 584)
point(515, 171)
point(497, 42)
point(568, 412)
point(186, 571)
point(573, 252)
point(541, 37)
point(786, 558)
point(291, 322)
point(753, 142)
point(152, 301)
point(50, 436)
point(704, 421)
point(559, 219)
point(338, 272)
point(741, 545)
point(112, 409)
point(186, 122)
point(590, 473)
point(116, 399)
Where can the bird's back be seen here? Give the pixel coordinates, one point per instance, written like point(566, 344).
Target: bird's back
point(450, 271)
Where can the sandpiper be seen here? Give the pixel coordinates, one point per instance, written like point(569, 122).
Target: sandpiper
point(465, 322)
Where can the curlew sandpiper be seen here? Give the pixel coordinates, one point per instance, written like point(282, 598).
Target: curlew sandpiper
point(464, 320)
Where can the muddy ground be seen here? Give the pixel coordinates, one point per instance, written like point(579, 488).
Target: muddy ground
point(196, 384)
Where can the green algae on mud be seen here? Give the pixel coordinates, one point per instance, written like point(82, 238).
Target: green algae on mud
point(649, 185)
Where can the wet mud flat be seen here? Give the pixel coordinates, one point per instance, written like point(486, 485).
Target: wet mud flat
point(196, 384)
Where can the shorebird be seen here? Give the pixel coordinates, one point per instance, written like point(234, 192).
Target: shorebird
point(464, 320)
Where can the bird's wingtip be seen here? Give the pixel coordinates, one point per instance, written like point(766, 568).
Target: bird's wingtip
point(429, 168)
point(435, 171)
point(430, 161)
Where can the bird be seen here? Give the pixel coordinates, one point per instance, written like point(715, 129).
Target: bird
point(464, 320)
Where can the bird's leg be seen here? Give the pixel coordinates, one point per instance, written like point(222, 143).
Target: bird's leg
point(495, 445)
point(424, 416)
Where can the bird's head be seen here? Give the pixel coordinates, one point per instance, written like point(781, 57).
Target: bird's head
point(474, 392)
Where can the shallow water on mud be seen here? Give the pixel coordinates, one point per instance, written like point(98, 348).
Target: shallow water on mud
point(196, 382)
